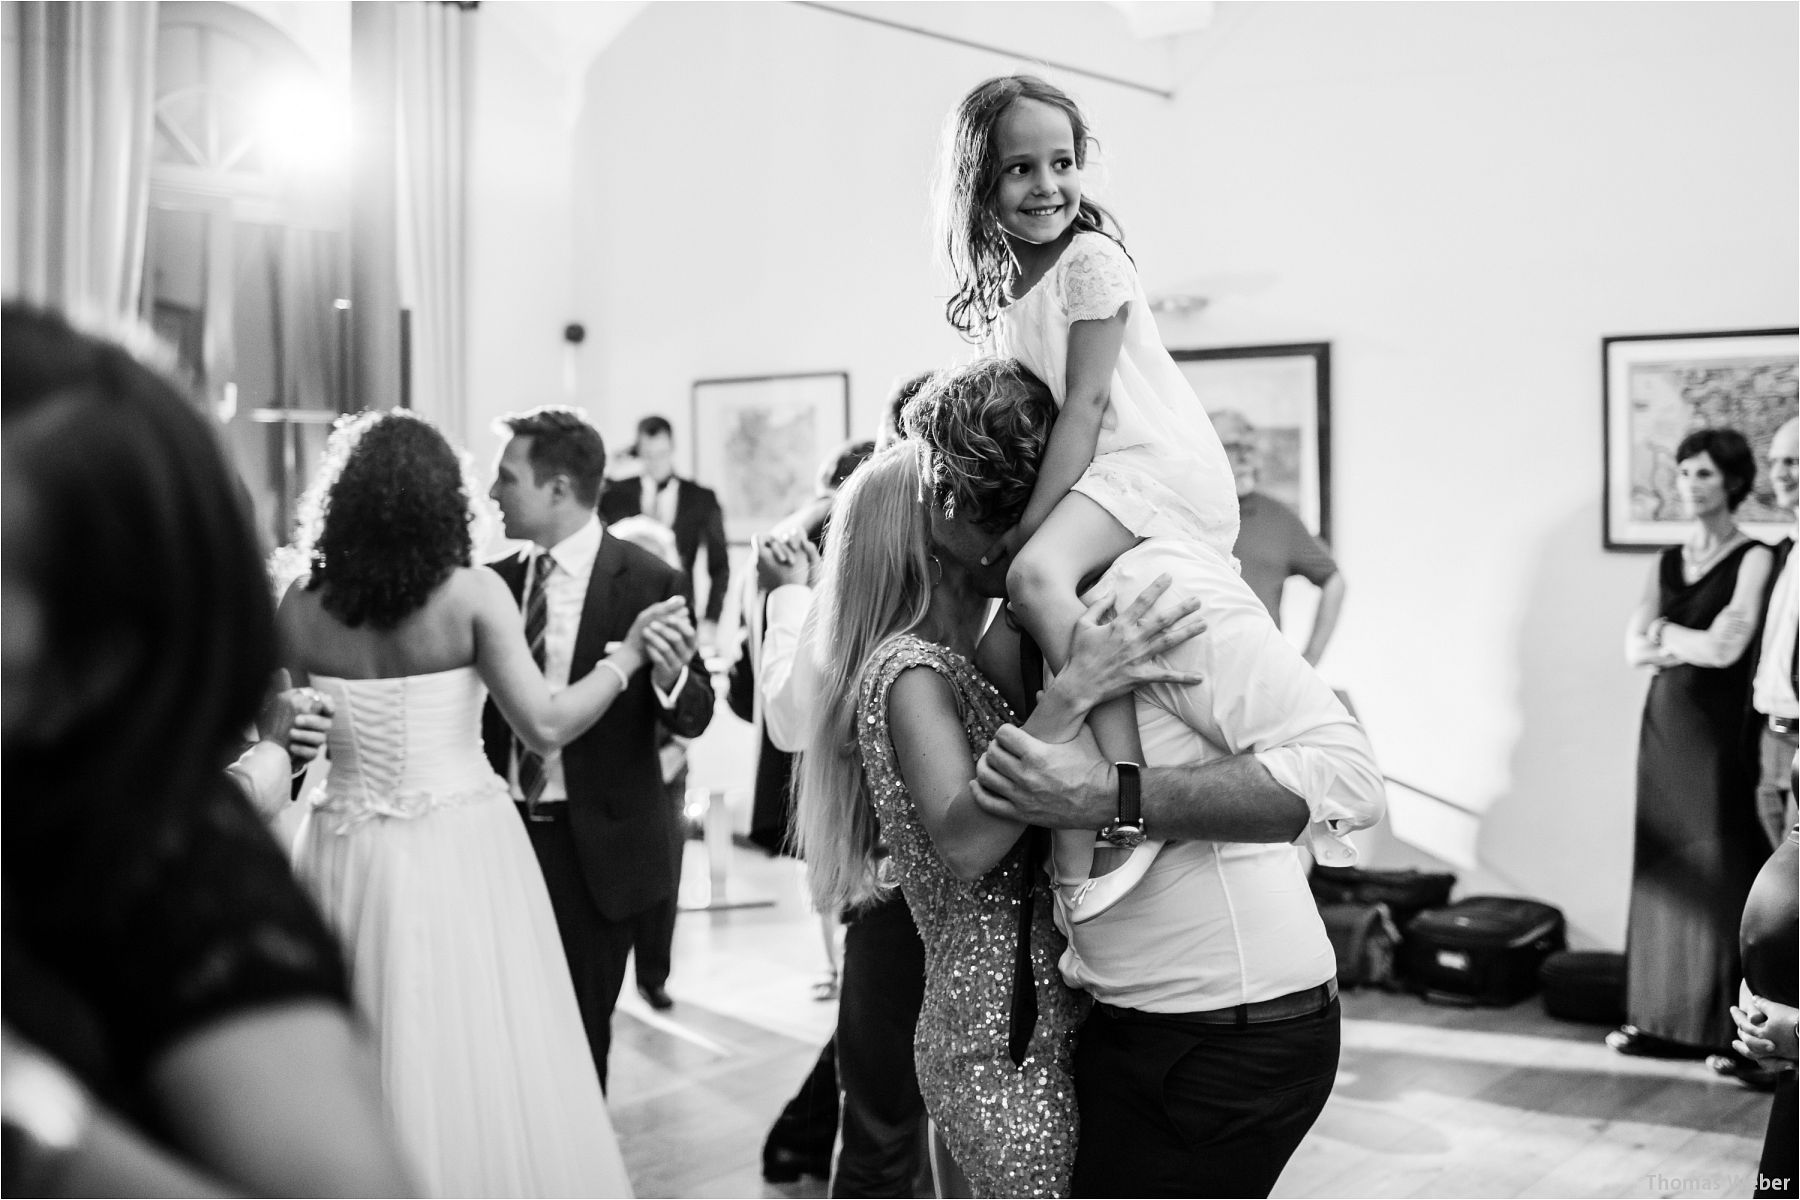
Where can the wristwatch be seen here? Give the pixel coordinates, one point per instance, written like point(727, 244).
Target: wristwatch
point(1127, 830)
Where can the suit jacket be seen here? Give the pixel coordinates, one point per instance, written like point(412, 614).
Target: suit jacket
point(698, 520)
point(618, 814)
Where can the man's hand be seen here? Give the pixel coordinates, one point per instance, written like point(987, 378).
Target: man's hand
point(297, 720)
point(782, 561)
point(670, 644)
point(673, 609)
point(1058, 786)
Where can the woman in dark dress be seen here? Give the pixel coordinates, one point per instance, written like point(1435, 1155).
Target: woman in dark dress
point(177, 1018)
point(1698, 842)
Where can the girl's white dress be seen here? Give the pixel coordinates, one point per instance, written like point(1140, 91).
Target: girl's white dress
point(419, 860)
point(1158, 467)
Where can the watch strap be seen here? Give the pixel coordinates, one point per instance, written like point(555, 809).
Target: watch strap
point(1131, 802)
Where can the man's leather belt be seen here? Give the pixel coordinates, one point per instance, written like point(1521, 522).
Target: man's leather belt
point(546, 813)
point(1784, 724)
point(1305, 1003)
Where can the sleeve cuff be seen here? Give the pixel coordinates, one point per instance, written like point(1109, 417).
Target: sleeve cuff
point(1337, 801)
point(668, 698)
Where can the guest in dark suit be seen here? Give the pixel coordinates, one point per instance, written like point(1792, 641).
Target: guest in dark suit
point(688, 509)
point(596, 812)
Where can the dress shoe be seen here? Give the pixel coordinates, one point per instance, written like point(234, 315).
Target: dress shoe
point(783, 1164)
point(656, 997)
point(1629, 1039)
point(1744, 1070)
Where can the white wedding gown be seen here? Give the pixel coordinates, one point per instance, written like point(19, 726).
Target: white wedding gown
point(417, 856)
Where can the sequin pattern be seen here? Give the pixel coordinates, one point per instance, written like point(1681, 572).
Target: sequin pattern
point(1011, 1129)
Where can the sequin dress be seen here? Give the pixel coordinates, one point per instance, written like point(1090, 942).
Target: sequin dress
point(1011, 1129)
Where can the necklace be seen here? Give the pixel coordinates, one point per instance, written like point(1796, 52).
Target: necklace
point(1697, 563)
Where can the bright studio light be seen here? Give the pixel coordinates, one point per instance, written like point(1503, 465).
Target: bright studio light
point(304, 127)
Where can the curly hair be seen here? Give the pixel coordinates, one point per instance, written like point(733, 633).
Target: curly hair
point(980, 264)
point(984, 427)
point(391, 513)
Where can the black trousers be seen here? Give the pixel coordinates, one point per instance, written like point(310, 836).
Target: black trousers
point(596, 948)
point(870, 1057)
point(878, 1009)
point(653, 930)
point(1171, 1109)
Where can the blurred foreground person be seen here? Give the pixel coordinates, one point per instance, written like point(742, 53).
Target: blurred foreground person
point(178, 1019)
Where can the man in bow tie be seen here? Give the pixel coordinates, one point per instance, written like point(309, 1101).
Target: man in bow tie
point(691, 511)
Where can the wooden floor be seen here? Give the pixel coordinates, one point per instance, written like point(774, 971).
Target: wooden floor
point(1430, 1101)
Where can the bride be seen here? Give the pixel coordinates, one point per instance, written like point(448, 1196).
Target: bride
point(414, 850)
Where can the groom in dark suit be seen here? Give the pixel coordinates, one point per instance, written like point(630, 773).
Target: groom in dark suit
point(595, 812)
point(691, 511)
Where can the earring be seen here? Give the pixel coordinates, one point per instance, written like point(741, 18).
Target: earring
point(937, 570)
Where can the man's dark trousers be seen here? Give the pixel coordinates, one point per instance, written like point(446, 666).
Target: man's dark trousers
point(1172, 1109)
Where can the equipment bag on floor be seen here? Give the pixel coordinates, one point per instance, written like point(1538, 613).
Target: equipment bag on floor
point(1406, 893)
point(1481, 950)
point(1365, 940)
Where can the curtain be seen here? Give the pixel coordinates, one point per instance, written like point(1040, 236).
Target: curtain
point(81, 87)
point(435, 43)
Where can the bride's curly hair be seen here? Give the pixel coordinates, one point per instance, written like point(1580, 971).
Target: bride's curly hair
point(386, 520)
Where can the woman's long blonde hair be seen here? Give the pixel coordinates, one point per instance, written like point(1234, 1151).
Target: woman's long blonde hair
point(877, 584)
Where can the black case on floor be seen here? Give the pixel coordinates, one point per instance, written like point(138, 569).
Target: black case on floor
point(1482, 949)
point(1406, 893)
point(1584, 985)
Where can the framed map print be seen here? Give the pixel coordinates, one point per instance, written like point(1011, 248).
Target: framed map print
point(1657, 389)
point(759, 440)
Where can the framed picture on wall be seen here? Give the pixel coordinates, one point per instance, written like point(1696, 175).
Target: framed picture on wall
point(1659, 387)
point(1284, 392)
point(758, 442)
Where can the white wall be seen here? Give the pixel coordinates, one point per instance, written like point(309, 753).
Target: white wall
point(521, 214)
point(1463, 199)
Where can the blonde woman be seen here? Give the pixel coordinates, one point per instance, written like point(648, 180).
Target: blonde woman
point(904, 715)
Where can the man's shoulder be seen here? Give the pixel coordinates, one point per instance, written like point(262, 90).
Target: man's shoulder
point(637, 562)
point(699, 491)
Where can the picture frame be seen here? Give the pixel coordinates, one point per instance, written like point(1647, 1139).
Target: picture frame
point(759, 439)
point(1656, 388)
point(1285, 392)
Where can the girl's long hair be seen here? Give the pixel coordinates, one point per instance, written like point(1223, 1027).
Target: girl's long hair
point(981, 265)
point(877, 584)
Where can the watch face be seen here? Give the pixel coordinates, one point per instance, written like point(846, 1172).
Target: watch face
point(1125, 837)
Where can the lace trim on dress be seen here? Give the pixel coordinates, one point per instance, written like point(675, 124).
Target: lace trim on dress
point(1097, 278)
point(407, 804)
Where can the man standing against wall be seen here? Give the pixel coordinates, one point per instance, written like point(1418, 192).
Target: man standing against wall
point(1773, 691)
point(1273, 545)
point(692, 512)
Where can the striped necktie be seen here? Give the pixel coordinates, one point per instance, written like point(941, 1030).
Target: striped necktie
point(532, 776)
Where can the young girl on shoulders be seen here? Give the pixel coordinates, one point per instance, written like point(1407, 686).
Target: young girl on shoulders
point(1042, 277)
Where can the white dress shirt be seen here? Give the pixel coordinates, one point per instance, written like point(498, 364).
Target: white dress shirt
point(657, 500)
point(565, 593)
point(788, 671)
point(1773, 689)
point(1216, 924)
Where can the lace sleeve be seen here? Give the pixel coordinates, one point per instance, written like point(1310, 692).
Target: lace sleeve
point(1097, 278)
point(211, 923)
